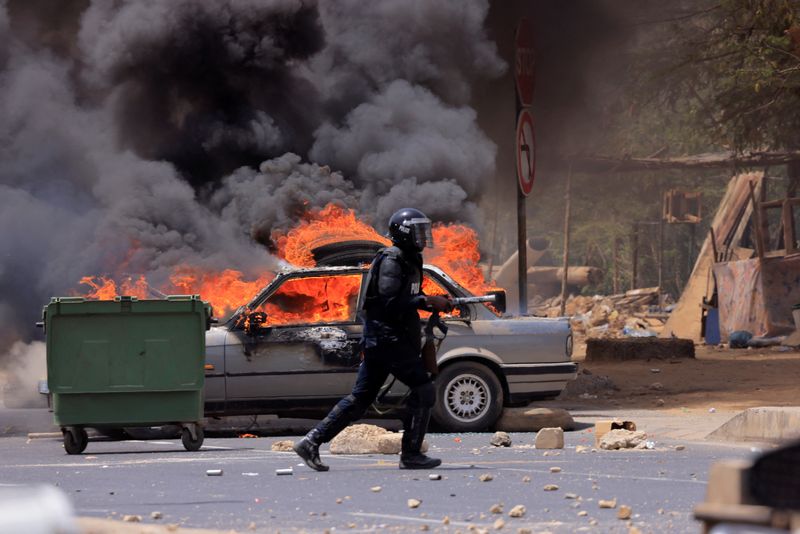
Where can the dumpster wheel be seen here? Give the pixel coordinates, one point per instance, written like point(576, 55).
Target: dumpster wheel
point(192, 442)
point(75, 439)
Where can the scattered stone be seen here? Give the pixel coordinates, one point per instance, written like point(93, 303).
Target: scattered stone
point(593, 522)
point(496, 509)
point(660, 402)
point(657, 386)
point(534, 419)
point(414, 503)
point(156, 515)
point(622, 439)
point(524, 530)
point(501, 439)
point(624, 512)
point(581, 449)
point(611, 503)
point(517, 511)
point(486, 477)
point(634, 530)
point(132, 518)
point(680, 447)
point(172, 527)
point(499, 524)
point(555, 469)
point(339, 500)
point(446, 520)
point(570, 496)
point(551, 487)
point(655, 370)
point(368, 439)
point(282, 446)
point(424, 528)
point(375, 489)
point(526, 479)
point(549, 438)
point(583, 513)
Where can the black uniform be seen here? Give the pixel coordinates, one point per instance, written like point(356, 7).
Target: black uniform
point(392, 344)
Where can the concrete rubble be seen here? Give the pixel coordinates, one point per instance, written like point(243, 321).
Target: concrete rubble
point(368, 439)
point(549, 438)
point(283, 445)
point(630, 313)
point(622, 439)
point(501, 439)
point(518, 511)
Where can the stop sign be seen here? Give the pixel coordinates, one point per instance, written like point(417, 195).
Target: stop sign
point(524, 62)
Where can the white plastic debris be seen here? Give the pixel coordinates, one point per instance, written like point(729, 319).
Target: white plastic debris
point(287, 471)
point(214, 472)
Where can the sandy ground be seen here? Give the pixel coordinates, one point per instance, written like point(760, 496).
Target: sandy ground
point(723, 379)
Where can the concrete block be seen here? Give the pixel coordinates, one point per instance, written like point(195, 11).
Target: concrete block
point(534, 419)
point(727, 483)
point(603, 426)
point(549, 438)
point(764, 424)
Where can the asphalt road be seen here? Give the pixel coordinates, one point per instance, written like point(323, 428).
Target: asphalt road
point(112, 479)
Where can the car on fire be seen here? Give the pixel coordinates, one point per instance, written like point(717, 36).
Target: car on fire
point(293, 351)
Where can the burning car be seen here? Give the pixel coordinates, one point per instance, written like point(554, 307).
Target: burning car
point(293, 350)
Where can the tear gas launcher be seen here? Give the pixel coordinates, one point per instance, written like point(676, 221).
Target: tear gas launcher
point(433, 342)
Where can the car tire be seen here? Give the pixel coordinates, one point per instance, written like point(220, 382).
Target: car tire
point(469, 397)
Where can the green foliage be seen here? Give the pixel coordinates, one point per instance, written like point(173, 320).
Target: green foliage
point(728, 70)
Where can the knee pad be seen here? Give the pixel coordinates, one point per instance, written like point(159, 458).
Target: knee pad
point(422, 396)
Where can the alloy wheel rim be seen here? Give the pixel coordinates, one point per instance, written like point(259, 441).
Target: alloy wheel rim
point(467, 397)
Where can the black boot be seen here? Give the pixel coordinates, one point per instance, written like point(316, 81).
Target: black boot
point(308, 449)
point(410, 456)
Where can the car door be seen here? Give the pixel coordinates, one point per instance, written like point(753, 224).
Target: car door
point(308, 345)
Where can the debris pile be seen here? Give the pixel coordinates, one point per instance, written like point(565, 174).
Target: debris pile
point(368, 439)
point(634, 313)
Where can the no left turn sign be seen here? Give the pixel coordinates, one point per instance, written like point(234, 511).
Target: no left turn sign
point(526, 151)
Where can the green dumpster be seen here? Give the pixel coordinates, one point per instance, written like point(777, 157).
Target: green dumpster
point(125, 363)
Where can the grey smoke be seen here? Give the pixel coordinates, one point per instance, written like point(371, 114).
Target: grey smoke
point(151, 134)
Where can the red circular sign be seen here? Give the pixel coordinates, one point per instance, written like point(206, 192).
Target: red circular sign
point(526, 151)
point(524, 62)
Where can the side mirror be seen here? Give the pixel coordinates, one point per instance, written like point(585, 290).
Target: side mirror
point(499, 300)
point(254, 322)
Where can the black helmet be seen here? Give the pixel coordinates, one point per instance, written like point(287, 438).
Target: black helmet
point(410, 227)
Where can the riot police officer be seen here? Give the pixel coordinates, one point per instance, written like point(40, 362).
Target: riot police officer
point(392, 343)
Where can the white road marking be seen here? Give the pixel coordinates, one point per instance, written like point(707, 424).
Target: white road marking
point(429, 520)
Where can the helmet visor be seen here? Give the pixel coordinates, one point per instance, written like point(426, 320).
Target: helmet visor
point(421, 232)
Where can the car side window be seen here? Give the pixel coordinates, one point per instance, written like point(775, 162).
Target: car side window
point(431, 286)
point(313, 300)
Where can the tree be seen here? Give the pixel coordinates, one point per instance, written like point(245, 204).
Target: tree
point(731, 70)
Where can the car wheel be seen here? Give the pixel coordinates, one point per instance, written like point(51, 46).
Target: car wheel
point(469, 397)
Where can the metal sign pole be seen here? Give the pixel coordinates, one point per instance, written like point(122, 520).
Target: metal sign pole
point(522, 265)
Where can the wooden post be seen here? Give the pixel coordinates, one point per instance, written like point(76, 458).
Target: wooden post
point(692, 232)
point(759, 226)
point(565, 262)
point(634, 254)
point(714, 244)
point(615, 261)
point(660, 259)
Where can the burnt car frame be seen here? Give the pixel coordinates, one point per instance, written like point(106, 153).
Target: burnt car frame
point(301, 364)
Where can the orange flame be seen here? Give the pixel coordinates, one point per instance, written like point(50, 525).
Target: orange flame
point(311, 300)
point(328, 225)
